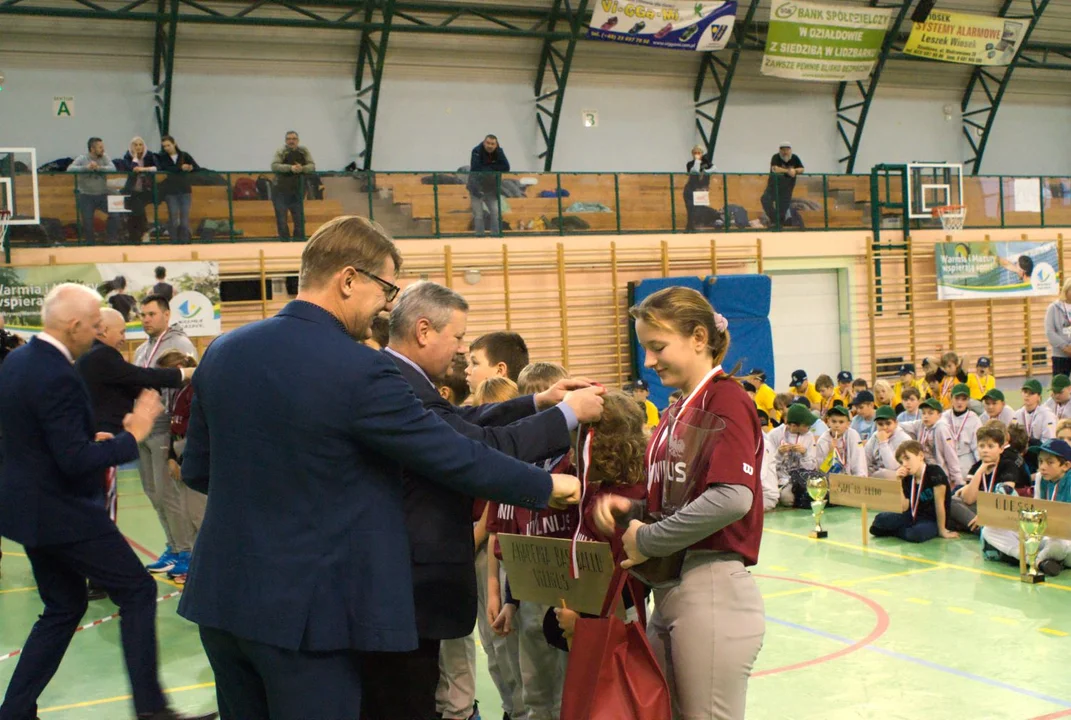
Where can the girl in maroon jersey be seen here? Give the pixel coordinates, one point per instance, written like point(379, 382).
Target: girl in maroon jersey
point(707, 629)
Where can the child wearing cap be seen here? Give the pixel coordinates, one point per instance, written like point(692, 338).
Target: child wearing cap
point(880, 450)
point(907, 380)
point(933, 434)
point(764, 394)
point(909, 402)
point(794, 450)
point(640, 391)
point(844, 388)
point(981, 380)
point(1053, 483)
point(1060, 402)
point(840, 449)
point(802, 387)
point(824, 386)
point(1038, 420)
point(963, 423)
point(925, 502)
point(999, 469)
point(995, 408)
point(863, 423)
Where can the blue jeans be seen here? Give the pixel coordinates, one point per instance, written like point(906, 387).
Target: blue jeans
point(903, 526)
point(295, 204)
point(480, 205)
point(178, 217)
point(87, 206)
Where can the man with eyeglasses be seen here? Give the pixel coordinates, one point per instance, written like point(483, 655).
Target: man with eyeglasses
point(178, 517)
point(299, 436)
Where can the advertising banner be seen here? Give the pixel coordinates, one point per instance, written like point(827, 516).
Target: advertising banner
point(972, 270)
point(824, 43)
point(965, 38)
point(194, 305)
point(674, 24)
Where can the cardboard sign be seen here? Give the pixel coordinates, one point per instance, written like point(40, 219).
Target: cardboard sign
point(538, 570)
point(701, 198)
point(1002, 512)
point(875, 494)
point(117, 204)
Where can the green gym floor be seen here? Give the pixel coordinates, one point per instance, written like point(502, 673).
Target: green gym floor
point(893, 631)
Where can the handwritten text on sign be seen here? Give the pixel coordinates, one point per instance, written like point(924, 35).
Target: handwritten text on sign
point(1002, 512)
point(538, 570)
point(853, 491)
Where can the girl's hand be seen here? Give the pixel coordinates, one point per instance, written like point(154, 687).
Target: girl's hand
point(494, 609)
point(566, 620)
point(503, 624)
point(607, 508)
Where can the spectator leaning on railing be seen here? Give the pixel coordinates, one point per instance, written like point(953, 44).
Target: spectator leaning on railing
point(487, 158)
point(93, 189)
point(785, 167)
point(289, 163)
point(138, 188)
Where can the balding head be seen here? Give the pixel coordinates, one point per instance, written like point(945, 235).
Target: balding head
point(71, 314)
point(112, 328)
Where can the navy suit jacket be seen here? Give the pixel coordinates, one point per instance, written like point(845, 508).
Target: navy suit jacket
point(439, 518)
point(299, 435)
point(114, 384)
point(51, 483)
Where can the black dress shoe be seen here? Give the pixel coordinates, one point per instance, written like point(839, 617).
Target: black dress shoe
point(169, 714)
point(95, 593)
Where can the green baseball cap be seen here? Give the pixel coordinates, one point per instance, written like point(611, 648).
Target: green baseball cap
point(994, 394)
point(933, 404)
point(838, 410)
point(799, 415)
point(1060, 382)
point(1032, 386)
point(885, 412)
point(961, 389)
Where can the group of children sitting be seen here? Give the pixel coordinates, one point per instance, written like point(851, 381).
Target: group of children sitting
point(946, 437)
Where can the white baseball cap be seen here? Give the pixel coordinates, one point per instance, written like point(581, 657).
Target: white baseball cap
point(786, 144)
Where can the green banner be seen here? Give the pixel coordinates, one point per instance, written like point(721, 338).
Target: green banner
point(195, 303)
point(825, 43)
point(976, 270)
point(966, 38)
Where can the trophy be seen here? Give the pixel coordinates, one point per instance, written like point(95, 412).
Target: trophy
point(818, 488)
point(1032, 524)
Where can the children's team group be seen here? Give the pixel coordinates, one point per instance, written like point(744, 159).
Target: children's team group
point(946, 436)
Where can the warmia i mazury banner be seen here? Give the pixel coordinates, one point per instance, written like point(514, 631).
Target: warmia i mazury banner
point(990, 270)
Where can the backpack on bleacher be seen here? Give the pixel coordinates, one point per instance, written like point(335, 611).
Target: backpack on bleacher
point(245, 188)
point(264, 187)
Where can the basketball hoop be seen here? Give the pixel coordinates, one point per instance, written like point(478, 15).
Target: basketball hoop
point(951, 216)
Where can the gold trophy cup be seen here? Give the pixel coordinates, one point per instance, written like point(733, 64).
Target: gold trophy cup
point(818, 489)
point(1032, 525)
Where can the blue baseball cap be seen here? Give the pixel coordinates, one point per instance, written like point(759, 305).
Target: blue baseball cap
point(1057, 447)
point(844, 376)
point(907, 368)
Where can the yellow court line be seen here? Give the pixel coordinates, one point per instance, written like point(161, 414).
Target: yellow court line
point(1006, 621)
point(961, 611)
point(1050, 631)
point(901, 556)
point(21, 589)
point(797, 591)
point(119, 698)
point(887, 576)
point(920, 601)
point(13, 554)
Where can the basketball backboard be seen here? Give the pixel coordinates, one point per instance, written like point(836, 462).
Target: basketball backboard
point(933, 184)
point(19, 193)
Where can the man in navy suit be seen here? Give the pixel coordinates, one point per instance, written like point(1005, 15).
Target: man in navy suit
point(299, 434)
point(50, 501)
point(427, 326)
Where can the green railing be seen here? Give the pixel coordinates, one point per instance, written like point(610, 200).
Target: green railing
point(241, 206)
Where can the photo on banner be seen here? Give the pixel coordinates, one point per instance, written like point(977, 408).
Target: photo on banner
point(823, 43)
point(673, 24)
point(965, 38)
point(195, 306)
point(972, 270)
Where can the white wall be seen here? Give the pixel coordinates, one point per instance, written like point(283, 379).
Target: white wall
point(235, 120)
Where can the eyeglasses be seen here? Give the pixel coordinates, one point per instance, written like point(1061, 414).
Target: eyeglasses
point(390, 290)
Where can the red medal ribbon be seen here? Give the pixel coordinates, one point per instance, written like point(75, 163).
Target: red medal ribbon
point(915, 497)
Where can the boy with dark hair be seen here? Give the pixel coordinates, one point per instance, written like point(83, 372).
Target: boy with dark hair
point(764, 394)
point(864, 414)
point(981, 380)
point(839, 449)
point(963, 423)
point(907, 380)
point(496, 354)
point(844, 388)
point(880, 450)
point(910, 399)
point(824, 386)
point(925, 504)
point(802, 387)
point(999, 469)
point(995, 409)
point(936, 439)
point(640, 391)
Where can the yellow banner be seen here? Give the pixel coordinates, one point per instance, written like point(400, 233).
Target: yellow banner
point(968, 39)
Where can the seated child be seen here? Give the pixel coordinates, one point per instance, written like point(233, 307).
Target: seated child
point(1036, 419)
point(825, 388)
point(995, 408)
point(863, 422)
point(1053, 483)
point(910, 399)
point(764, 394)
point(925, 503)
point(802, 387)
point(963, 423)
point(781, 403)
point(794, 449)
point(844, 388)
point(617, 466)
point(883, 393)
point(839, 449)
point(981, 380)
point(819, 427)
point(933, 434)
point(907, 380)
point(950, 373)
point(880, 449)
point(1060, 402)
point(771, 490)
point(933, 388)
point(1063, 430)
point(998, 466)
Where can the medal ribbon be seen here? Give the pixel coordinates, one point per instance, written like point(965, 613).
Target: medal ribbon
point(155, 348)
point(586, 440)
point(915, 497)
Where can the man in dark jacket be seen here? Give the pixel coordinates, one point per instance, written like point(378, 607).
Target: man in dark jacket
point(289, 164)
point(487, 158)
point(426, 327)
